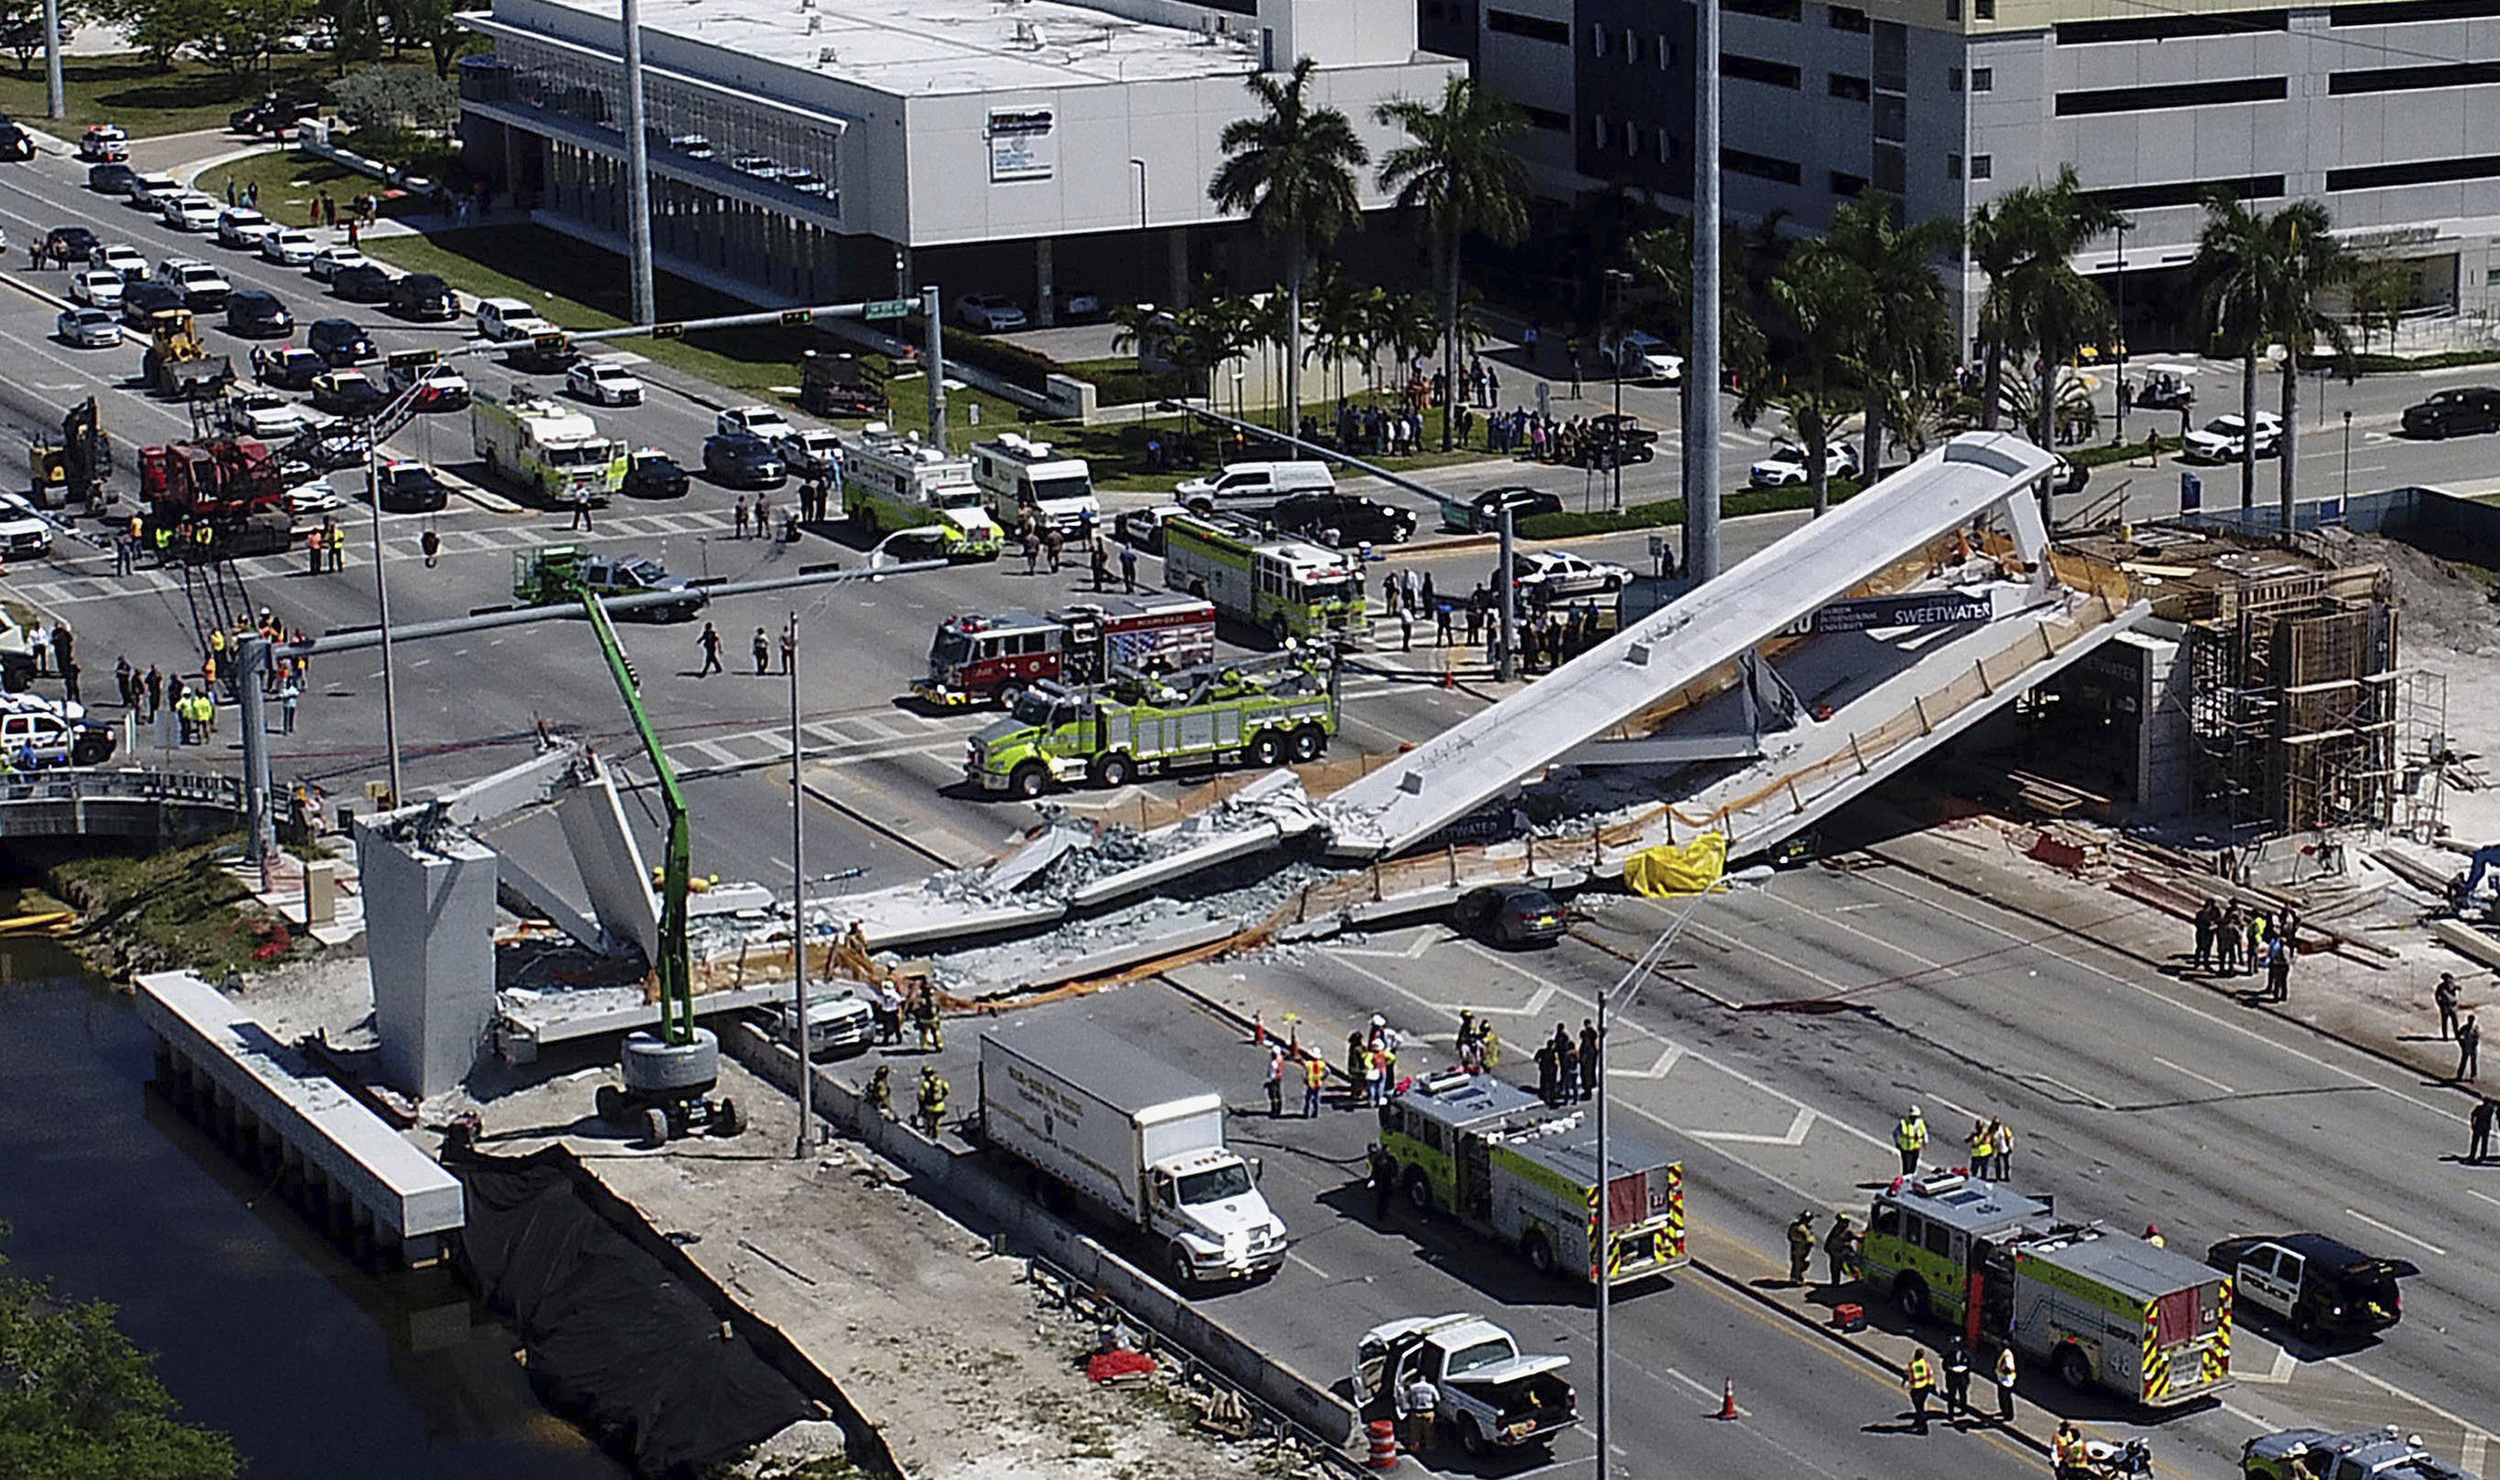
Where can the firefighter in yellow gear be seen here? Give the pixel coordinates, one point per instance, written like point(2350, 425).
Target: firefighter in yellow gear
point(1800, 1246)
point(2067, 1452)
point(932, 1101)
point(1909, 1137)
point(881, 1090)
point(926, 1019)
point(1921, 1382)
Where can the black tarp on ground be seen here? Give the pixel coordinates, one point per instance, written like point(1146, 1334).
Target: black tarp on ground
point(615, 1339)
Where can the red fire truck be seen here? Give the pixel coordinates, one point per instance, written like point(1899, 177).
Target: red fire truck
point(976, 659)
point(231, 487)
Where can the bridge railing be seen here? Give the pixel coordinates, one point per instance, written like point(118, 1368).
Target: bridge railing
point(194, 787)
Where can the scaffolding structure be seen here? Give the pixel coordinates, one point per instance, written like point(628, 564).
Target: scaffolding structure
point(2423, 751)
point(2299, 717)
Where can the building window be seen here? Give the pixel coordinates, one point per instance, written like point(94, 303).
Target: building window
point(1983, 79)
point(1847, 185)
point(1848, 18)
point(1545, 118)
point(1761, 166)
point(2406, 12)
point(2172, 27)
point(1666, 55)
point(2192, 192)
point(1983, 166)
point(1533, 27)
point(1953, 167)
point(1853, 89)
point(1755, 69)
point(2406, 79)
point(2414, 172)
point(1597, 38)
point(1778, 10)
point(1953, 79)
point(1986, 10)
point(2171, 95)
point(1953, 10)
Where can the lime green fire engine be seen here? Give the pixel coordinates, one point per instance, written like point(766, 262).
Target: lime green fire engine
point(1261, 712)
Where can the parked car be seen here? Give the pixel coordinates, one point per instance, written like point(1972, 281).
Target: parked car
point(743, 460)
point(326, 262)
point(2314, 1284)
point(16, 143)
point(24, 535)
point(425, 297)
point(1548, 574)
point(314, 496)
point(804, 181)
point(810, 452)
point(1509, 915)
point(287, 366)
point(268, 416)
point(67, 244)
point(111, 179)
point(2462, 411)
point(438, 386)
point(204, 289)
point(88, 327)
point(752, 164)
point(54, 741)
point(258, 312)
point(410, 487)
point(760, 421)
point(991, 313)
point(1079, 303)
point(96, 288)
point(142, 301)
point(1482, 514)
point(189, 211)
point(346, 393)
point(104, 143)
point(1787, 467)
point(1143, 528)
point(605, 381)
point(339, 341)
point(1350, 518)
point(2225, 439)
point(1645, 356)
point(654, 474)
point(242, 227)
point(120, 257)
point(331, 445)
point(289, 246)
point(693, 146)
point(272, 115)
point(361, 282)
point(504, 320)
point(148, 191)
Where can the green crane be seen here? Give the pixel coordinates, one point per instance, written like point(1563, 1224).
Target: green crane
point(668, 1074)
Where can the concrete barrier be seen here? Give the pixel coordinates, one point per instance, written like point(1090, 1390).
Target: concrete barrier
point(944, 1177)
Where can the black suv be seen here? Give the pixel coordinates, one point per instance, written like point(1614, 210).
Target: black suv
point(654, 474)
point(67, 244)
point(338, 341)
point(1483, 513)
point(143, 301)
point(271, 116)
point(257, 312)
point(412, 488)
point(363, 283)
point(110, 179)
point(1353, 518)
point(2454, 413)
point(422, 295)
point(743, 460)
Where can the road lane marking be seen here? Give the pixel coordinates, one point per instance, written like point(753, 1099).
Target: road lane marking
point(2393, 1232)
point(2470, 1430)
point(1794, 1136)
point(1295, 1257)
point(1667, 1058)
point(2284, 1368)
point(2205, 1079)
point(2485, 1196)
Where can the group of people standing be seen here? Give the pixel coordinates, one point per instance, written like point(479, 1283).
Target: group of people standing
point(2234, 939)
point(1566, 1072)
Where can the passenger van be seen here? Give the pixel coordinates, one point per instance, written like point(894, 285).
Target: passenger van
point(1253, 487)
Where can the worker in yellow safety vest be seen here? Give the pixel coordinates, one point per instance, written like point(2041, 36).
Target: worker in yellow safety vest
point(2067, 1453)
point(1921, 1382)
point(932, 1101)
point(1909, 1136)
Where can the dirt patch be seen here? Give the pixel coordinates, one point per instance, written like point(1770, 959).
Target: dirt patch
point(2444, 604)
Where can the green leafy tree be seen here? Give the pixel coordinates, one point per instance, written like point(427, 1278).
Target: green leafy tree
point(1816, 300)
point(243, 36)
point(1903, 343)
point(161, 29)
point(2381, 291)
point(2035, 303)
point(2239, 283)
point(1290, 169)
point(79, 1402)
point(1462, 174)
point(390, 98)
point(21, 29)
point(432, 24)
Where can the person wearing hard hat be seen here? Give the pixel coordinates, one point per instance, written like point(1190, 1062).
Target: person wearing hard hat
point(1909, 1136)
point(2152, 1235)
point(1800, 1246)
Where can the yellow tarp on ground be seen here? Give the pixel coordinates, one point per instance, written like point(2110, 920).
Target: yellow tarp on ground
point(1673, 869)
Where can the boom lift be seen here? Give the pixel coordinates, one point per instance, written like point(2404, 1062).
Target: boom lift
point(668, 1073)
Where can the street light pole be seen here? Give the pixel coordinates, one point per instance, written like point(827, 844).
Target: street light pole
point(637, 171)
point(1701, 370)
point(382, 606)
point(798, 901)
point(2347, 495)
point(1616, 280)
point(2122, 331)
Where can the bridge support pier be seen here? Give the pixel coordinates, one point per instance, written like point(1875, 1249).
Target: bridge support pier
point(250, 671)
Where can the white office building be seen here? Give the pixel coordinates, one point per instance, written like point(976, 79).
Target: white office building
point(849, 148)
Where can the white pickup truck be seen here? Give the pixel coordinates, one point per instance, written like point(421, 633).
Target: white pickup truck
point(1490, 1395)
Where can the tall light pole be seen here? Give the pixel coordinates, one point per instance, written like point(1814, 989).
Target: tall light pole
point(637, 171)
point(798, 899)
point(382, 603)
point(2347, 495)
point(1145, 255)
point(2122, 331)
point(1701, 377)
point(1616, 281)
point(55, 99)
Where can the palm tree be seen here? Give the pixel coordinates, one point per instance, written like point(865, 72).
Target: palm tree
point(1998, 242)
point(1291, 171)
point(1335, 309)
point(1818, 301)
point(1904, 335)
point(2235, 275)
point(2265, 275)
point(2024, 243)
point(1463, 175)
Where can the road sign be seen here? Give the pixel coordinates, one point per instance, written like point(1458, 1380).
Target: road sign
point(668, 331)
point(551, 342)
point(798, 318)
point(887, 308)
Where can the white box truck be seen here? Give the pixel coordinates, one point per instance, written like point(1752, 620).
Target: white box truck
point(1138, 1139)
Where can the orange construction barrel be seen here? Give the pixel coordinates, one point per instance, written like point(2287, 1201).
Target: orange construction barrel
point(1384, 1436)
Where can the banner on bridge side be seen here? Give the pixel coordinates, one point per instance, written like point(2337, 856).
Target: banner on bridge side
point(1920, 609)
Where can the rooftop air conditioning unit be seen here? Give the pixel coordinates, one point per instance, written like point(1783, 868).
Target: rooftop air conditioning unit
point(815, 23)
point(826, 56)
point(1028, 36)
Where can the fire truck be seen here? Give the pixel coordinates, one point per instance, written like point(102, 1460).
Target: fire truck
point(892, 483)
point(973, 660)
point(232, 487)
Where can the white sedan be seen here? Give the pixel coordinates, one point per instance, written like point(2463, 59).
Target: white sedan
point(991, 313)
point(1553, 573)
point(270, 416)
point(96, 287)
point(315, 497)
point(326, 262)
point(606, 382)
point(759, 421)
point(1645, 356)
point(2224, 439)
point(88, 327)
point(122, 258)
point(242, 227)
point(1788, 467)
point(289, 246)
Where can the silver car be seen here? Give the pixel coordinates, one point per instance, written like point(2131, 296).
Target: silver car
point(88, 327)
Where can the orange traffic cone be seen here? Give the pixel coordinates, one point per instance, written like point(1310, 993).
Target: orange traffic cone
point(1258, 1027)
point(1727, 1401)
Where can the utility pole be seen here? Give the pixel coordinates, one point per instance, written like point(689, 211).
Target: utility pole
point(1701, 375)
point(2122, 332)
point(1616, 280)
point(251, 655)
point(382, 605)
point(798, 902)
point(637, 171)
point(935, 355)
point(55, 99)
point(1510, 606)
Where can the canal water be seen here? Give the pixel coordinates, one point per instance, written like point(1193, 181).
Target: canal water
point(262, 1329)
